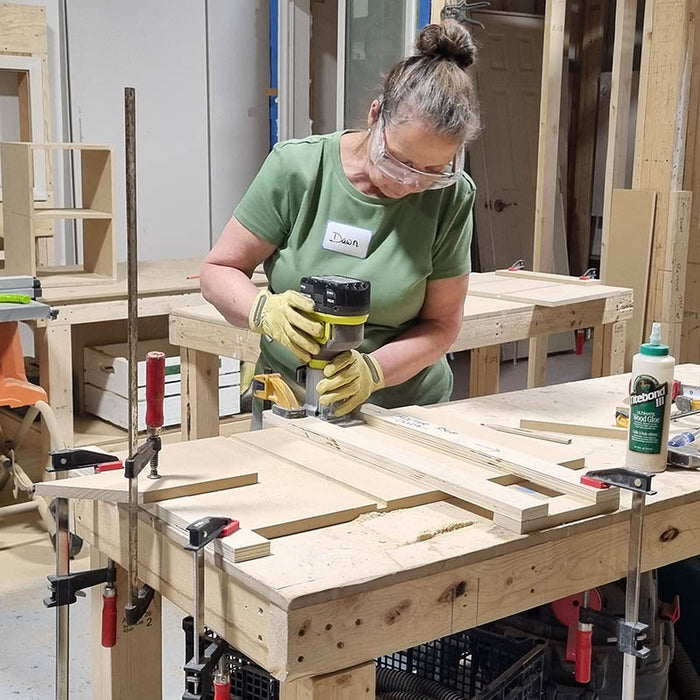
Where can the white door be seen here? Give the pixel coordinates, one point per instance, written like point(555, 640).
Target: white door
point(504, 159)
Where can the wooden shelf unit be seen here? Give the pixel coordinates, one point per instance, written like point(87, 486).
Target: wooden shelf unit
point(22, 216)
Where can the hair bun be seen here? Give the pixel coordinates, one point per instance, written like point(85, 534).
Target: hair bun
point(450, 41)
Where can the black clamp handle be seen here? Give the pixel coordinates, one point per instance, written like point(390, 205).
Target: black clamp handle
point(622, 477)
point(78, 458)
point(64, 588)
point(144, 454)
point(205, 530)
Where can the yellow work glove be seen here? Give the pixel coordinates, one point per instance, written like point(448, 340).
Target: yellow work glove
point(281, 317)
point(350, 378)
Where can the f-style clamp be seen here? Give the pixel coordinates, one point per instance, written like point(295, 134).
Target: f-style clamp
point(206, 671)
point(630, 632)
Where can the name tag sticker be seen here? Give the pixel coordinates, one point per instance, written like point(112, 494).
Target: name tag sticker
point(346, 239)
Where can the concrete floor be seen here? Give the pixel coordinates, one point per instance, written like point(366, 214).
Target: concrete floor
point(27, 628)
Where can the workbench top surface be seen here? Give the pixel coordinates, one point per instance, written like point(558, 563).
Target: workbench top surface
point(362, 565)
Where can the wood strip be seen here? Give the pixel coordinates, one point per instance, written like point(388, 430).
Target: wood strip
point(590, 61)
point(671, 280)
point(548, 277)
point(618, 119)
point(538, 471)
point(548, 146)
point(186, 469)
point(574, 429)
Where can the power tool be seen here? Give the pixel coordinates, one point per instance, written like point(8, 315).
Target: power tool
point(341, 304)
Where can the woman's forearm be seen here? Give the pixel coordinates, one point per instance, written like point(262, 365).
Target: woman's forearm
point(420, 346)
point(230, 290)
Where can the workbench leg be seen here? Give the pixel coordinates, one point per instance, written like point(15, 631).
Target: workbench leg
point(484, 371)
point(200, 394)
point(54, 350)
point(357, 683)
point(133, 667)
point(609, 349)
point(537, 362)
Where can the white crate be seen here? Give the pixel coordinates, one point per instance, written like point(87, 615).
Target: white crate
point(107, 366)
point(115, 408)
point(107, 382)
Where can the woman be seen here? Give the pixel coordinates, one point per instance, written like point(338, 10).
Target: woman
point(391, 205)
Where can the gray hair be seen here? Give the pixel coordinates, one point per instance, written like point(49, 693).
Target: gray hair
point(435, 85)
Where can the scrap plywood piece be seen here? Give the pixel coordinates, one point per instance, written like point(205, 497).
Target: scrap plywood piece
point(286, 500)
point(626, 252)
point(517, 503)
point(537, 291)
point(186, 469)
point(389, 491)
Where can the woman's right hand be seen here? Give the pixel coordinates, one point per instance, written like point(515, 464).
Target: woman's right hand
point(282, 318)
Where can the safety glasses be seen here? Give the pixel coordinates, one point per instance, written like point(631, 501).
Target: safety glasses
point(405, 174)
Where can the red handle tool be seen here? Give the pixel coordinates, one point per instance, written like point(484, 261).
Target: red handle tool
point(584, 636)
point(109, 617)
point(155, 388)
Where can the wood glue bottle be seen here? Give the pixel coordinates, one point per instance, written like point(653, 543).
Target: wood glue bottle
point(650, 405)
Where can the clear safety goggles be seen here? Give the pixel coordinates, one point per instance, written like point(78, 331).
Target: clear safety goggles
point(405, 174)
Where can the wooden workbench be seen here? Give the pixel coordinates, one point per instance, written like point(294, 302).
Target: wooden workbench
point(500, 308)
point(96, 314)
point(361, 566)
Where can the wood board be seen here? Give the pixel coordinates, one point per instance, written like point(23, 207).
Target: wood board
point(516, 502)
point(186, 469)
point(539, 292)
point(286, 500)
point(389, 491)
point(424, 432)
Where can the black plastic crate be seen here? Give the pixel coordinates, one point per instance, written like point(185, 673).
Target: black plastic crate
point(478, 664)
point(249, 681)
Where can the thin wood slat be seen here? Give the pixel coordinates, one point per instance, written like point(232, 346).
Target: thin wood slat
point(508, 461)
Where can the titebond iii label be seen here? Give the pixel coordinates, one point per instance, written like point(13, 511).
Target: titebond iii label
point(647, 406)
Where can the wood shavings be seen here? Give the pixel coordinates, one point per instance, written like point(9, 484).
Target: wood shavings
point(429, 534)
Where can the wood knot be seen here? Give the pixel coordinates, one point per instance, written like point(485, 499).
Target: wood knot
point(397, 611)
point(455, 591)
point(669, 534)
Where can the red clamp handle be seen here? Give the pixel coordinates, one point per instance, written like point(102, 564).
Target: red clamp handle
point(595, 483)
point(155, 388)
point(230, 529)
point(108, 467)
point(222, 691)
point(583, 655)
point(109, 618)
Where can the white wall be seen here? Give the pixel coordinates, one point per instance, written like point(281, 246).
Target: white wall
point(201, 72)
point(239, 75)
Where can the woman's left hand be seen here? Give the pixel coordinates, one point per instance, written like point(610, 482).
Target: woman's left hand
point(350, 379)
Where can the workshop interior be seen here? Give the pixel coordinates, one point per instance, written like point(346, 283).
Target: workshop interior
point(350, 349)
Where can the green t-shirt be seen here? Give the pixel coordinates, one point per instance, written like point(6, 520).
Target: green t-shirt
point(302, 202)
